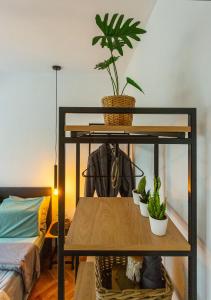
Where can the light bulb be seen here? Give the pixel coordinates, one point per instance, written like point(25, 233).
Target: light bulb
point(56, 192)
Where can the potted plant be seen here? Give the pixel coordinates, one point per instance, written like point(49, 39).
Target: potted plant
point(157, 211)
point(117, 33)
point(139, 193)
point(143, 197)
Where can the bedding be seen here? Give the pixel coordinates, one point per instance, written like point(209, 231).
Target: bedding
point(43, 209)
point(11, 282)
point(36, 240)
point(19, 218)
point(22, 258)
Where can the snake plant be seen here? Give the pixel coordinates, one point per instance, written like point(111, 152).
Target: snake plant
point(141, 189)
point(157, 210)
point(117, 33)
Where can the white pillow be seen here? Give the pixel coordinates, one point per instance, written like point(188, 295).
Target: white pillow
point(43, 210)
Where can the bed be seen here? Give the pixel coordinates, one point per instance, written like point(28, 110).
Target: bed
point(11, 282)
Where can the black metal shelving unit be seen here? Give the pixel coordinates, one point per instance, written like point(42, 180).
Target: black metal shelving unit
point(155, 139)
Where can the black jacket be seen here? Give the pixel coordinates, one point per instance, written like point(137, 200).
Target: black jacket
point(99, 164)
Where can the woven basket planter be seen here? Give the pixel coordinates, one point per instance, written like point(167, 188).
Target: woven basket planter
point(104, 266)
point(118, 101)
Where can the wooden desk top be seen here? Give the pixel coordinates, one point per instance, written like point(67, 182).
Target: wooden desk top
point(116, 224)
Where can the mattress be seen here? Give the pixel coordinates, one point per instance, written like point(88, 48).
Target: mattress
point(11, 285)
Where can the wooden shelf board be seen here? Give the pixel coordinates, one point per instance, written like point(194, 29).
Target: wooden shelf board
point(131, 129)
point(116, 224)
point(85, 284)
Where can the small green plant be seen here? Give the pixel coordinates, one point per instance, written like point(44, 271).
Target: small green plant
point(116, 33)
point(141, 189)
point(157, 210)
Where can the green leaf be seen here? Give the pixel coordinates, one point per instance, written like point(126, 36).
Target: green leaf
point(127, 42)
point(105, 20)
point(118, 32)
point(136, 24)
point(110, 26)
point(140, 31)
point(119, 23)
point(134, 36)
point(95, 40)
point(158, 183)
point(141, 185)
point(103, 42)
point(105, 23)
point(134, 84)
point(110, 44)
point(99, 23)
point(105, 64)
point(126, 24)
point(118, 46)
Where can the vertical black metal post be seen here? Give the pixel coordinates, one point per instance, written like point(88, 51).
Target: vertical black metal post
point(77, 193)
point(128, 150)
point(77, 172)
point(89, 148)
point(156, 160)
point(192, 207)
point(61, 207)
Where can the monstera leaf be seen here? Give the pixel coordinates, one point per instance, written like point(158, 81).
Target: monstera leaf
point(105, 64)
point(117, 32)
point(134, 84)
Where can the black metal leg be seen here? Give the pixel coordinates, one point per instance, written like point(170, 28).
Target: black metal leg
point(192, 209)
point(53, 253)
point(77, 172)
point(77, 195)
point(76, 266)
point(61, 291)
point(156, 160)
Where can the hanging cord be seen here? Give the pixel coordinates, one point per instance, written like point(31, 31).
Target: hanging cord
point(56, 68)
point(56, 125)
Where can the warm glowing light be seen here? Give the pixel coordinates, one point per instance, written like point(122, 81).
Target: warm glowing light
point(55, 192)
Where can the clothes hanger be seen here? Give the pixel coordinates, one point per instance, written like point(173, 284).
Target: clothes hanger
point(114, 151)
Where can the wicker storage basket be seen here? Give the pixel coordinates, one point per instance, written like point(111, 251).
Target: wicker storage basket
point(103, 283)
point(118, 101)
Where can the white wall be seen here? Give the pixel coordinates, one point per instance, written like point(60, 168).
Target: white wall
point(33, 37)
point(27, 122)
point(174, 66)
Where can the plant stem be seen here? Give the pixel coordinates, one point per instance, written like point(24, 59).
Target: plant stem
point(124, 88)
point(112, 81)
point(116, 74)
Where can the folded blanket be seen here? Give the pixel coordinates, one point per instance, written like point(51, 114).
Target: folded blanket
point(22, 258)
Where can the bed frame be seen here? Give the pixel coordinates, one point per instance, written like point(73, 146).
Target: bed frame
point(30, 192)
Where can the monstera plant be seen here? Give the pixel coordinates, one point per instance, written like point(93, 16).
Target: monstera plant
point(117, 33)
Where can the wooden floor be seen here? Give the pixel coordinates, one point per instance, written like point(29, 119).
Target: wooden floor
point(46, 286)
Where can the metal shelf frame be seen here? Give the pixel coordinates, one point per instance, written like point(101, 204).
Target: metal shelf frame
point(190, 139)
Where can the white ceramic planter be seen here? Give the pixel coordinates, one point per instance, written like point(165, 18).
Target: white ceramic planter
point(144, 209)
point(158, 227)
point(136, 197)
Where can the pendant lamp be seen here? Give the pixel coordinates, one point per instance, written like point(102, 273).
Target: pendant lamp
point(56, 68)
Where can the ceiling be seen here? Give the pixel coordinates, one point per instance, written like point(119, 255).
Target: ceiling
point(35, 34)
